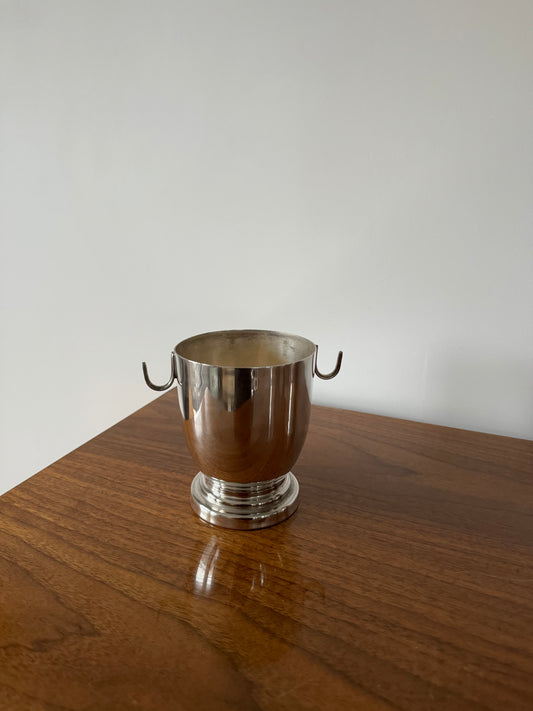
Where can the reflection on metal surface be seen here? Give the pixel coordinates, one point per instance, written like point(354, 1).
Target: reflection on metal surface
point(245, 426)
point(245, 397)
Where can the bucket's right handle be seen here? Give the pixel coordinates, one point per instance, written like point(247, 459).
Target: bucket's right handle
point(334, 372)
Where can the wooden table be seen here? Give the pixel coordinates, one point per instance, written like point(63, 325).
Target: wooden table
point(404, 581)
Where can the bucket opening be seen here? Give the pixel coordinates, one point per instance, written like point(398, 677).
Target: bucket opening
point(245, 349)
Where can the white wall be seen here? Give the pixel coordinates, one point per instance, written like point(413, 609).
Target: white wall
point(356, 172)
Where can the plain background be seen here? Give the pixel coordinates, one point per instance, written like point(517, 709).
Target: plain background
point(359, 173)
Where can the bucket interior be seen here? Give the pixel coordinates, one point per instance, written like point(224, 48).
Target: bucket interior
point(245, 349)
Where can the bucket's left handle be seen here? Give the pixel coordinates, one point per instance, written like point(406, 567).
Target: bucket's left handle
point(173, 375)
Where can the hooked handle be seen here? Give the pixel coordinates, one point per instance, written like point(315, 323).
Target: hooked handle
point(334, 372)
point(173, 375)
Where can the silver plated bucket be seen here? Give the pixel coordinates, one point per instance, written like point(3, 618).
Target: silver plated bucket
point(245, 398)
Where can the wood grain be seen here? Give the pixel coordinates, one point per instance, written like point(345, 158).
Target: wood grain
point(404, 581)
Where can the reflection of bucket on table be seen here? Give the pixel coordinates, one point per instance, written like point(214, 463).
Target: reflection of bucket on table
point(242, 597)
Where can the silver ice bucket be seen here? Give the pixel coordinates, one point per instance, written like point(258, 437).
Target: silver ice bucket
point(245, 398)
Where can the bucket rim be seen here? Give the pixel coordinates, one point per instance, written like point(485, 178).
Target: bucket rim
point(307, 347)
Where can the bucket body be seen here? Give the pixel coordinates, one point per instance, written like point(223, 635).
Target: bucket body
point(245, 421)
point(245, 399)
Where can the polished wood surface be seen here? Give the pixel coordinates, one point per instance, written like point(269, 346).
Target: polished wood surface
point(404, 581)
